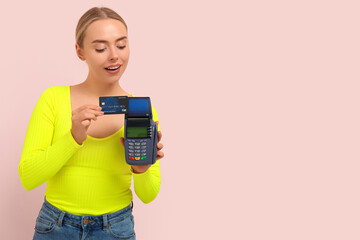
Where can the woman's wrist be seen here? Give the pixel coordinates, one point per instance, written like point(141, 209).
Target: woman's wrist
point(139, 169)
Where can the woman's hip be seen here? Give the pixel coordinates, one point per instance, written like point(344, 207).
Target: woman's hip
point(53, 223)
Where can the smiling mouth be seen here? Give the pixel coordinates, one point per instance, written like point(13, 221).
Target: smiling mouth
point(113, 68)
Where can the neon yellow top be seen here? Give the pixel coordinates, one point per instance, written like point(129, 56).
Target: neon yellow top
point(88, 179)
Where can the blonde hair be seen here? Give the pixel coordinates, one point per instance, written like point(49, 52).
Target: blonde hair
point(90, 16)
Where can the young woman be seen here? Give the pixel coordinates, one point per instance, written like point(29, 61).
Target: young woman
point(79, 152)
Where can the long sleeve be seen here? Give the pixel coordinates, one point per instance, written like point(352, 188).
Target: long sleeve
point(147, 184)
point(40, 158)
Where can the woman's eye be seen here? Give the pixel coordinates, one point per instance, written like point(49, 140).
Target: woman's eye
point(101, 50)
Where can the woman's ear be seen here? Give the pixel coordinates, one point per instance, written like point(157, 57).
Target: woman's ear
point(79, 52)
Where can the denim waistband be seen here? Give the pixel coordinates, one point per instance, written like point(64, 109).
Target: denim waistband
point(90, 221)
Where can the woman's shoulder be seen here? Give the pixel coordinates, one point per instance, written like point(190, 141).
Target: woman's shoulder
point(55, 91)
point(54, 94)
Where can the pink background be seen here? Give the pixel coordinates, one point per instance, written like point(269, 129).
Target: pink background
point(258, 103)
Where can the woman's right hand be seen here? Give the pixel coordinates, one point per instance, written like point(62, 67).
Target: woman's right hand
point(81, 120)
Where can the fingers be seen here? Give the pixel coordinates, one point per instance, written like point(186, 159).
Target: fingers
point(85, 119)
point(86, 123)
point(87, 112)
point(159, 155)
point(81, 119)
point(159, 146)
point(86, 106)
point(91, 114)
point(159, 136)
point(122, 141)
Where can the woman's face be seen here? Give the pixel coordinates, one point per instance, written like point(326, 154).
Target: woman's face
point(105, 46)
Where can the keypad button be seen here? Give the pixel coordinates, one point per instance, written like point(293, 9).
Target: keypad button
point(131, 158)
point(143, 158)
point(137, 144)
point(143, 147)
point(137, 158)
point(131, 154)
point(137, 154)
point(131, 151)
point(143, 154)
point(143, 143)
point(131, 147)
point(131, 143)
point(137, 151)
point(137, 147)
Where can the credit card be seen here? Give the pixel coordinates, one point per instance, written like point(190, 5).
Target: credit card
point(114, 104)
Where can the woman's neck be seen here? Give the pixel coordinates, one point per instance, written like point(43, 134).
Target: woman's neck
point(98, 88)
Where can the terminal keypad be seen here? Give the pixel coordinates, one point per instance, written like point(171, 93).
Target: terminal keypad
point(137, 149)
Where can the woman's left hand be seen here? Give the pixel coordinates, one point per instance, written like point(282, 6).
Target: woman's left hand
point(159, 155)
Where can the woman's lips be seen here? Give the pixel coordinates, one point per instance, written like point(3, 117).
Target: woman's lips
point(113, 71)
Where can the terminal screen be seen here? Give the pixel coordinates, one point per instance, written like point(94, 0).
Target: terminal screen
point(137, 132)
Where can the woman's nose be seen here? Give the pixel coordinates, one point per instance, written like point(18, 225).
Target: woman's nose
point(113, 54)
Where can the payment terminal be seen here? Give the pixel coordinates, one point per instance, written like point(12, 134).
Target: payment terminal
point(140, 132)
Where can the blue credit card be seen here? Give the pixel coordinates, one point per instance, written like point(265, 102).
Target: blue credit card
point(114, 104)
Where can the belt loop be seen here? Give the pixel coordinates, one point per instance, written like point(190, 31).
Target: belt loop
point(105, 221)
point(61, 218)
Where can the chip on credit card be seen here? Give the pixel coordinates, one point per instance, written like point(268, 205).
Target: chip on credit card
point(114, 104)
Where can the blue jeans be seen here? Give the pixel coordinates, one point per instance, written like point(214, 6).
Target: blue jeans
point(55, 224)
